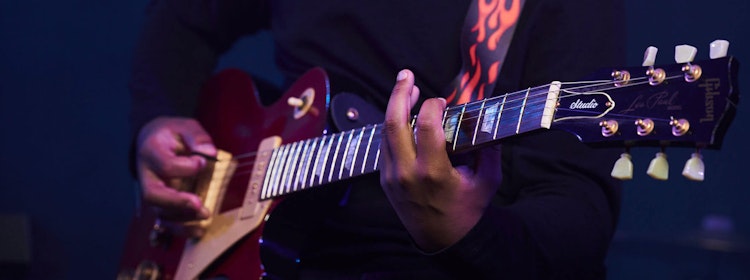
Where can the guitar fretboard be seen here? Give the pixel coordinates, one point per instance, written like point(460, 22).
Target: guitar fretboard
point(318, 161)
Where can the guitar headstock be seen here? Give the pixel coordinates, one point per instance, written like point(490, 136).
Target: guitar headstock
point(687, 104)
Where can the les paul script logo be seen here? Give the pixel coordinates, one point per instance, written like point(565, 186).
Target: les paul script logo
point(663, 99)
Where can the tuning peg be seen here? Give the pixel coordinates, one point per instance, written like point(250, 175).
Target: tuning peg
point(684, 53)
point(718, 49)
point(623, 168)
point(694, 168)
point(649, 57)
point(659, 167)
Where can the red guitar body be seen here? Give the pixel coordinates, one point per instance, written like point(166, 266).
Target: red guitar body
point(231, 111)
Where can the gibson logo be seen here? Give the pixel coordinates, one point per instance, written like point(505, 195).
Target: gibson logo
point(710, 86)
point(580, 105)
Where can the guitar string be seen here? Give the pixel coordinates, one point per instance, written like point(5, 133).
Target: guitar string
point(471, 116)
point(586, 84)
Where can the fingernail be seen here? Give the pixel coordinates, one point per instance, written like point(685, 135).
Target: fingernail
point(204, 214)
point(206, 149)
point(402, 75)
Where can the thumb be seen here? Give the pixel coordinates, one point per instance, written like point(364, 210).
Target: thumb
point(197, 140)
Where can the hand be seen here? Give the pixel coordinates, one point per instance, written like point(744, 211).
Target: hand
point(437, 202)
point(167, 155)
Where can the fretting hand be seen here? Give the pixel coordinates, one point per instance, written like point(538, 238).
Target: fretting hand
point(437, 202)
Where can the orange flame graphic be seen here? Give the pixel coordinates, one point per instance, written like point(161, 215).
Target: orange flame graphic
point(495, 20)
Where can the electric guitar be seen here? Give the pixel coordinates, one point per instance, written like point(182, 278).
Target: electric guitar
point(269, 152)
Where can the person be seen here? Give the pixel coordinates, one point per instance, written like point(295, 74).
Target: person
point(538, 206)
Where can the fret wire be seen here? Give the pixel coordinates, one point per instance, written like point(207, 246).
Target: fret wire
point(377, 156)
point(335, 155)
point(356, 151)
point(367, 151)
point(499, 115)
point(325, 160)
point(317, 159)
point(301, 165)
point(277, 159)
point(346, 152)
point(458, 126)
point(307, 166)
point(291, 165)
point(277, 169)
point(269, 174)
point(476, 128)
point(523, 106)
point(282, 169)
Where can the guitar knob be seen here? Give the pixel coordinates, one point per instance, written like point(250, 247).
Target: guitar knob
point(659, 167)
point(694, 167)
point(718, 49)
point(684, 53)
point(147, 270)
point(158, 235)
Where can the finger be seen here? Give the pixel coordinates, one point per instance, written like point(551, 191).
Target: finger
point(196, 139)
point(175, 204)
point(430, 136)
point(164, 152)
point(397, 132)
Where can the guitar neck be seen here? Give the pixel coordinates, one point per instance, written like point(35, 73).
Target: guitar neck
point(330, 158)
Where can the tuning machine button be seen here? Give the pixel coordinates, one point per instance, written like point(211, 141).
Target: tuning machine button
point(623, 168)
point(659, 167)
point(685, 54)
point(718, 49)
point(694, 168)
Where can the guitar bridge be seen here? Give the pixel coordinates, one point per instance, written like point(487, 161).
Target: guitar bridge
point(210, 185)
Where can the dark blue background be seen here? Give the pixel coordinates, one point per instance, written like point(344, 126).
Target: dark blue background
point(64, 67)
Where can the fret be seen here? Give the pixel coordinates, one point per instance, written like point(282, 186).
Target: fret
point(490, 114)
point(367, 150)
point(377, 157)
point(356, 151)
point(499, 115)
point(301, 164)
point(458, 126)
point(269, 174)
point(325, 160)
point(317, 160)
point(509, 121)
point(289, 168)
point(345, 157)
point(449, 125)
point(280, 171)
point(335, 155)
point(476, 128)
point(523, 107)
point(307, 166)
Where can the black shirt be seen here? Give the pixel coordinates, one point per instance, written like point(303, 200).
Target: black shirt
point(557, 207)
